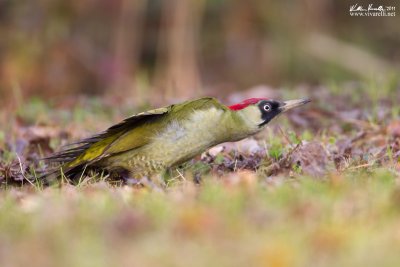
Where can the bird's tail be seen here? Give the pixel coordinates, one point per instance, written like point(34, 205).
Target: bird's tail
point(75, 158)
point(68, 164)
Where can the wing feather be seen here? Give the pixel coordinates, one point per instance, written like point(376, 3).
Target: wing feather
point(91, 148)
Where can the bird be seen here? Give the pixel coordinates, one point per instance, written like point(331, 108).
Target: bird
point(150, 142)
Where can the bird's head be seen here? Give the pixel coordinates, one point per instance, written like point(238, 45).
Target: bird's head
point(259, 111)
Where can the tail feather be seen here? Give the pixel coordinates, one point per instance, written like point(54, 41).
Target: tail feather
point(67, 155)
point(60, 164)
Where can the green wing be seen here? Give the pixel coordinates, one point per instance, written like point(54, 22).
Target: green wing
point(138, 136)
point(93, 147)
point(131, 133)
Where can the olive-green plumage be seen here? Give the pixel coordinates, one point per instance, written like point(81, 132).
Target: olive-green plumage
point(151, 141)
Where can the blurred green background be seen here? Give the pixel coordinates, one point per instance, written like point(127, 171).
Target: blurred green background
point(184, 48)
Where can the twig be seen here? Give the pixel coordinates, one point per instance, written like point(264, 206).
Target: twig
point(234, 167)
point(181, 175)
point(285, 136)
point(361, 166)
point(22, 170)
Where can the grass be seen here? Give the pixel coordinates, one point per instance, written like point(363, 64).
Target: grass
point(352, 219)
point(261, 209)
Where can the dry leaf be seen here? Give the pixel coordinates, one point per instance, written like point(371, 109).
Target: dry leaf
point(312, 158)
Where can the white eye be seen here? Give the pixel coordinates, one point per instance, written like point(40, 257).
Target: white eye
point(267, 107)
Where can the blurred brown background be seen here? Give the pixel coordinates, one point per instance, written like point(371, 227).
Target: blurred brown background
point(184, 48)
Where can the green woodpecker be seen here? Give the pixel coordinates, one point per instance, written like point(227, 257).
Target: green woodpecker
point(151, 141)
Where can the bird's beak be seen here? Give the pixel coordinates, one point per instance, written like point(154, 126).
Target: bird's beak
point(293, 104)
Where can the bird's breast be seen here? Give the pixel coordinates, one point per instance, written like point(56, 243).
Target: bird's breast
point(182, 139)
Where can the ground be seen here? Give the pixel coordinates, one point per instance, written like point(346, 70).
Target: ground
point(319, 187)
